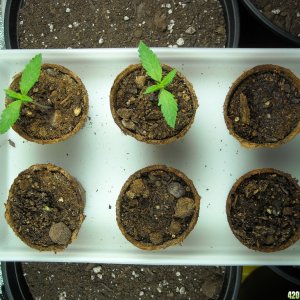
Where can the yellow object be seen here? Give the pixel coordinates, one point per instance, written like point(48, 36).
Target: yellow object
point(247, 270)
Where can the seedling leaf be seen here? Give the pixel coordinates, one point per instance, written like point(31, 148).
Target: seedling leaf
point(150, 62)
point(153, 88)
point(31, 74)
point(14, 95)
point(168, 107)
point(10, 115)
point(168, 78)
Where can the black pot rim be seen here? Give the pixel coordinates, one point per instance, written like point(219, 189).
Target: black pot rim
point(233, 274)
point(287, 272)
point(15, 285)
point(274, 28)
point(230, 7)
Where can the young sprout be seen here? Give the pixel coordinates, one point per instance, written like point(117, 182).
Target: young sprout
point(29, 77)
point(166, 100)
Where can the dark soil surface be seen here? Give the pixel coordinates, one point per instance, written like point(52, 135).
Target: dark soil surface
point(283, 13)
point(140, 113)
point(45, 207)
point(156, 207)
point(265, 211)
point(94, 281)
point(62, 94)
point(265, 108)
point(119, 23)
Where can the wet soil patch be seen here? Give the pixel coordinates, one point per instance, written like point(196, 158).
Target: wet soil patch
point(119, 23)
point(94, 281)
point(44, 207)
point(264, 107)
point(65, 98)
point(263, 210)
point(140, 114)
point(156, 207)
point(284, 14)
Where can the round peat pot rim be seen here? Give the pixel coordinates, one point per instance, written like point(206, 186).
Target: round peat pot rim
point(83, 115)
point(112, 97)
point(240, 180)
point(232, 20)
point(76, 187)
point(172, 242)
point(287, 272)
point(274, 28)
point(15, 285)
point(235, 85)
point(230, 9)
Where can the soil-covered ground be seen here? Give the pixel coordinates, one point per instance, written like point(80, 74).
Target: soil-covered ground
point(157, 207)
point(141, 114)
point(265, 108)
point(63, 97)
point(119, 23)
point(283, 13)
point(45, 207)
point(48, 281)
point(265, 211)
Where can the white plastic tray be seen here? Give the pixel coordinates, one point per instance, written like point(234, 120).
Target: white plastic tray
point(102, 158)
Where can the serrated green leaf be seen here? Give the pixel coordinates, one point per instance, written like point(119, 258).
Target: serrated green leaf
point(153, 88)
point(31, 74)
point(168, 106)
point(168, 78)
point(14, 95)
point(150, 62)
point(10, 115)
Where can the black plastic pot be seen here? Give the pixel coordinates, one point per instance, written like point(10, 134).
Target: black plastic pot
point(12, 9)
point(289, 273)
point(263, 283)
point(15, 286)
point(266, 22)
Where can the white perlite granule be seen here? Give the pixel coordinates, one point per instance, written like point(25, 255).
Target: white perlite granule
point(180, 42)
point(276, 11)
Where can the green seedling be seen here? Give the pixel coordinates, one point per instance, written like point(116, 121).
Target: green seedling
point(29, 77)
point(166, 100)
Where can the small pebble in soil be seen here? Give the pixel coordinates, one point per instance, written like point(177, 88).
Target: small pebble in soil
point(77, 111)
point(156, 238)
point(190, 30)
point(176, 189)
point(97, 269)
point(128, 124)
point(59, 233)
point(184, 207)
point(180, 42)
point(140, 81)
